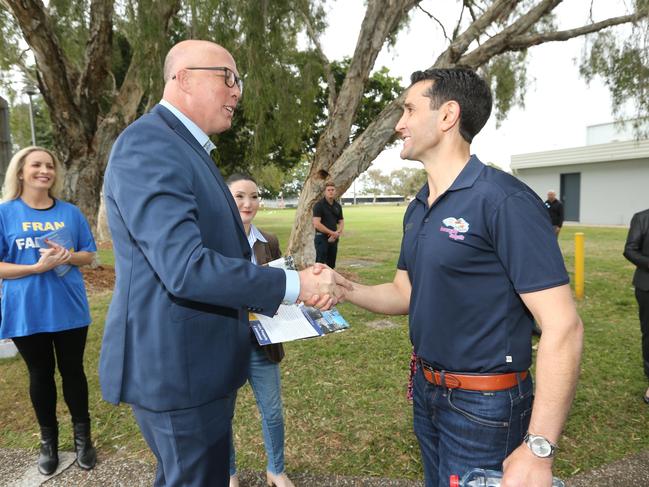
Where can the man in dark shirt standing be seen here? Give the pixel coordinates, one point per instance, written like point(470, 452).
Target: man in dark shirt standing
point(555, 208)
point(328, 223)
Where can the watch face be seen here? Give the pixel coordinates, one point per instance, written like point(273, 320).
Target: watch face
point(541, 447)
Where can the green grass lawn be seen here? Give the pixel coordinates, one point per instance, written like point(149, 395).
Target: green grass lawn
point(344, 394)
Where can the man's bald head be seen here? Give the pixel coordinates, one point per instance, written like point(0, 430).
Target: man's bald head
point(196, 75)
point(188, 53)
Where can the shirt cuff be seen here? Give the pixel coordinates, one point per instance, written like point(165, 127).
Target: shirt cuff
point(292, 287)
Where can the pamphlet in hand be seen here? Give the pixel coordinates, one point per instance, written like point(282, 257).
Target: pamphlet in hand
point(60, 237)
point(295, 321)
point(329, 321)
point(289, 324)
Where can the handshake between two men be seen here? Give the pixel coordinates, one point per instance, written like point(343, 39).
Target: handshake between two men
point(322, 287)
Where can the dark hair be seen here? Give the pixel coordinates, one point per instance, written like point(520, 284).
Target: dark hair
point(239, 176)
point(465, 87)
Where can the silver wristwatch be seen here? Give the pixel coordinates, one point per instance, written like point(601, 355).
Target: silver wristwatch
point(540, 445)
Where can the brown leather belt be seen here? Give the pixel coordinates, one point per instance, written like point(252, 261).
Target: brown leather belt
point(473, 382)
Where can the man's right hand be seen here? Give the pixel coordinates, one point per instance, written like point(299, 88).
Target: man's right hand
point(322, 287)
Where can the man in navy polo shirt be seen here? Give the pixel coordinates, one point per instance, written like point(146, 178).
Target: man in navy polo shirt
point(479, 262)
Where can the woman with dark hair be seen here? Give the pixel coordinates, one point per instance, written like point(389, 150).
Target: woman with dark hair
point(44, 305)
point(264, 374)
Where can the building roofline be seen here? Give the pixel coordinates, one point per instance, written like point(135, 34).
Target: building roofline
point(612, 151)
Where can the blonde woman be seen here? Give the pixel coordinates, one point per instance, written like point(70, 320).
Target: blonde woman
point(44, 309)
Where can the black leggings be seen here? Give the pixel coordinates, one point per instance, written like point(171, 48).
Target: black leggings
point(38, 352)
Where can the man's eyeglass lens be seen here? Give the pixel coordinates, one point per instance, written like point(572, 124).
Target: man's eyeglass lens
point(228, 75)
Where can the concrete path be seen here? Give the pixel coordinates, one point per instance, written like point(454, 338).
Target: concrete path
point(18, 469)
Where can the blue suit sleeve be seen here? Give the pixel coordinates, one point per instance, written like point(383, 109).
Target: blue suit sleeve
point(154, 195)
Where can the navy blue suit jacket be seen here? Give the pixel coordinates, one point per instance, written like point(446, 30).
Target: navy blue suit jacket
point(176, 333)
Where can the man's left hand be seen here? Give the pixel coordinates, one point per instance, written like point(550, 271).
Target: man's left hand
point(523, 469)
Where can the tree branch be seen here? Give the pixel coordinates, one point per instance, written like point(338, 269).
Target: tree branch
point(358, 156)
point(458, 24)
point(432, 17)
point(494, 45)
point(27, 71)
point(381, 18)
point(525, 41)
point(489, 49)
point(461, 43)
point(331, 81)
point(97, 61)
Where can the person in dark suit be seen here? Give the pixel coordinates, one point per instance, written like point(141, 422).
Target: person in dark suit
point(264, 375)
point(636, 250)
point(176, 344)
point(555, 210)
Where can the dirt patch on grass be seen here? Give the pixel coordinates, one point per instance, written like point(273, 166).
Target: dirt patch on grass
point(348, 274)
point(357, 263)
point(105, 245)
point(99, 279)
point(381, 324)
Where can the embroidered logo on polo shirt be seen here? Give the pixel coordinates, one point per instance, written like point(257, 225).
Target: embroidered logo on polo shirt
point(454, 227)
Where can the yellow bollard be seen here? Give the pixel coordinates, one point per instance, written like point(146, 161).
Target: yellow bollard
point(579, 265)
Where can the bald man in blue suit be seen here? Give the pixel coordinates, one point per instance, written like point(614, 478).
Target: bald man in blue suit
point(176, 341)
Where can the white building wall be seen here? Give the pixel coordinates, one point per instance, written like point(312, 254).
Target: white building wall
point(613, 132)
point(610, 193)
point(541, 180)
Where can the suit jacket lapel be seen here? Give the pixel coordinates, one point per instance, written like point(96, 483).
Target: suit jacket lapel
point(181, 130)
point(261, 252)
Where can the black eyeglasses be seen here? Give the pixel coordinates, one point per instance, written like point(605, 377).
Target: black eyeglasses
point(228, 75)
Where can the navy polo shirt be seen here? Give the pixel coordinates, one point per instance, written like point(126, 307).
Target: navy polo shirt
point(486, 240)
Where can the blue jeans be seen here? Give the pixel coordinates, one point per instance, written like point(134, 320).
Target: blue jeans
point(459, 430)
point(264, 379)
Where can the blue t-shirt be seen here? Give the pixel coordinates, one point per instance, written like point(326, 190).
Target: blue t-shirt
point(41, 302)
point(469, 256)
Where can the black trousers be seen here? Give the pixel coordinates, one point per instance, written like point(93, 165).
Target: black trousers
point(39, 352)
point(643, 306)
point(325, 252)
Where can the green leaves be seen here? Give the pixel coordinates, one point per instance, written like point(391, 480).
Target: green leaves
point(507, 75)
point(623, 64)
